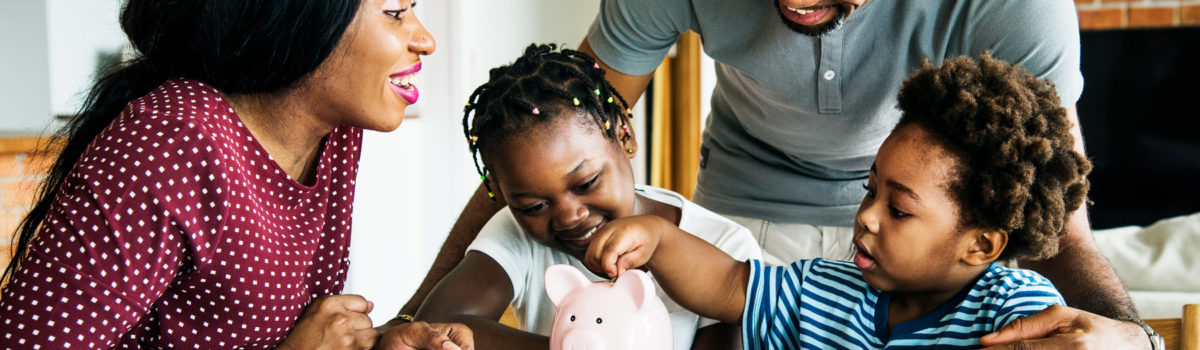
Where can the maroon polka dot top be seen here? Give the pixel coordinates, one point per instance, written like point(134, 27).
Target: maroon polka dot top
point(177, 230)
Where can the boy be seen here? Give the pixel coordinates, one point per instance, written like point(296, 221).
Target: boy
point(979, 168)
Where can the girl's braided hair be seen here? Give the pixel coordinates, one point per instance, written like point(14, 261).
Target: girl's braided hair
point(1018, 169)
point(544, 83)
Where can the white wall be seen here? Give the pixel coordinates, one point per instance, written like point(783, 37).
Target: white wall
point(24, 67)
point(49, 52)
point(79, 32)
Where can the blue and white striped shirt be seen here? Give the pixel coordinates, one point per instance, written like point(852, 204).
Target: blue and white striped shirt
point(824, 304)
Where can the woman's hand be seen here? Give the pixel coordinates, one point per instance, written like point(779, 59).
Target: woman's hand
point(625, 243)
point(425, 336)
point(333, 322)
point(1061, 327)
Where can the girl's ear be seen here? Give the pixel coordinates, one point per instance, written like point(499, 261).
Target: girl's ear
point(628, 140)
point(984, 246)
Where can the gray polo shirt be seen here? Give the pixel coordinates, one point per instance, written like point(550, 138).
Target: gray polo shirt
point(796, 120)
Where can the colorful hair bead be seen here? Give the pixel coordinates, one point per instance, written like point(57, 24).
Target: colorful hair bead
point(610, 99)
point(596, 65)
point(536, 111)
point(607, 125)
point(575, 100)
point(596, 91)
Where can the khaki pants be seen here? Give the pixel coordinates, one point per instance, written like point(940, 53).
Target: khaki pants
point(784, 243)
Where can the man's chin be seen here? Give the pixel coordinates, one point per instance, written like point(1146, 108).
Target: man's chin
point(817, 30)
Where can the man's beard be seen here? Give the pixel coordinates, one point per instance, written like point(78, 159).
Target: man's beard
point(838, 18)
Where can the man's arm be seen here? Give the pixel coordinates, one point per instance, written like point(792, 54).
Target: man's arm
point(1079, 270)
point(478, 211)
point(630, 87)
point(1082, 274)
point(1088, 284)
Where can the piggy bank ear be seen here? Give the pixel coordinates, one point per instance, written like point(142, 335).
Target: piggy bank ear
point(561, 280)
point(638, 285)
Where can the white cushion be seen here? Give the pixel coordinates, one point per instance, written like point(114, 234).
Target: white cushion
point(1164, 256)
point(1162, 304)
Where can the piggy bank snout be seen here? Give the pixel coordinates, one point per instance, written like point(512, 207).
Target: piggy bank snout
point(620, 315)
point(583, 340)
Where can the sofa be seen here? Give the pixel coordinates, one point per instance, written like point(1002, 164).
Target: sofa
point(1159, 263)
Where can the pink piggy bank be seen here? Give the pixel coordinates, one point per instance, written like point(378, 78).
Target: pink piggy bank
point(626, 314)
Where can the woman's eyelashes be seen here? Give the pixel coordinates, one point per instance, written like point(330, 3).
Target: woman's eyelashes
point(398, 14)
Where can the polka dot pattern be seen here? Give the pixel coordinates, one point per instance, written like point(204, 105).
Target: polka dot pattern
point(177, 230)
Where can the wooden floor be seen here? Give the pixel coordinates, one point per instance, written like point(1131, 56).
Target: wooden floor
point(509, 318)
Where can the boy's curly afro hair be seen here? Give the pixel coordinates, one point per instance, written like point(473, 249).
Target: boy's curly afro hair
point(1018, 171)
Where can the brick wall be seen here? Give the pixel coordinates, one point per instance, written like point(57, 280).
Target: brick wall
point(21, 171)
point(1120, 14)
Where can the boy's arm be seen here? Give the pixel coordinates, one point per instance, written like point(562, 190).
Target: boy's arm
point(696, 274)
point(701, 277)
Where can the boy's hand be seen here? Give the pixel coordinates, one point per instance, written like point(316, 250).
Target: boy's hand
point(625, 243)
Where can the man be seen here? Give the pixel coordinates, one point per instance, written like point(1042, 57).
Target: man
point(805, 94)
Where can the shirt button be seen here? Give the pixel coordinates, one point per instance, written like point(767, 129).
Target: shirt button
point(829, 75)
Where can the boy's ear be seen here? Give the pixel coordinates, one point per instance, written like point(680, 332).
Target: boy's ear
point(984, 246)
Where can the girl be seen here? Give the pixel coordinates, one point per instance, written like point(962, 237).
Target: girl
point(552, 139)
point(979, 168)
point(202, 198)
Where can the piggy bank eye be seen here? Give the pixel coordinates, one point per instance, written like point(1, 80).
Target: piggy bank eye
point(599, 321)
point(572, 318)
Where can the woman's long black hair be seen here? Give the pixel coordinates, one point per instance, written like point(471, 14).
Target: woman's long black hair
point(236, 46)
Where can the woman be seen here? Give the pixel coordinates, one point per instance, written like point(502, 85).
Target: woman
point(203, 196)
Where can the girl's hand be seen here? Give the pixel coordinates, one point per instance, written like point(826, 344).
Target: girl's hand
point(427, 336)
point(625, 243)
point(333, 322)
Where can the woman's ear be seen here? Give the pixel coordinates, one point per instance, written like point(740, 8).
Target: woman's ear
point(984, 246)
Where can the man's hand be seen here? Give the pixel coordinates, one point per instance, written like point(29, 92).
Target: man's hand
point(426, 336)
point(333, 322)
point(1062, 327)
